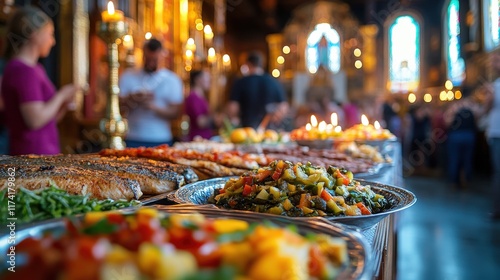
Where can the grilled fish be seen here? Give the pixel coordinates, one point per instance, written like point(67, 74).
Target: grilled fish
point(74, 180)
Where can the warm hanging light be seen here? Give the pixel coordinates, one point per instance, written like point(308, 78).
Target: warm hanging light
point(358, 64)
point(276, 73)
point(427, 97)
point(448, 85)
point(442, 95)
point(412, 98)
point(458, 94)
point(148, 36)
point(286, 49)
point(280, 59)
point(357, 52)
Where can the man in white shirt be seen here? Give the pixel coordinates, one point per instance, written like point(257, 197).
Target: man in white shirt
point(153, 97)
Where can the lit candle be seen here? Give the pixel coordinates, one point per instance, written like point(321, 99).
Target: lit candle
point(334, 119)
point(338, 129)
point(209, 35)
point(322, 126)
point(226, 60)
point(308, 127)
point(364, 120)
point(190, 45)
point(376, 124)
point(211, 55)
point(111, 15)
point(314, 121)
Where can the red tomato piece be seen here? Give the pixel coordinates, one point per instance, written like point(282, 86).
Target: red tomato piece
point(247, 190)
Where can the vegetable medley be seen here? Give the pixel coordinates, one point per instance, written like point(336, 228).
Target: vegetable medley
point(299, 190)
point(149, 245)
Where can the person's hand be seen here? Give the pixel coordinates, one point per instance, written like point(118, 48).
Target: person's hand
point(67, 92)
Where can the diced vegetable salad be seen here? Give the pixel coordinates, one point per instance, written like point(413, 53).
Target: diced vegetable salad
point(299, 190)
point(150, 245)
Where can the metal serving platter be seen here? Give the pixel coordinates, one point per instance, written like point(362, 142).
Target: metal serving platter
point(400, 199)
point(360, 266)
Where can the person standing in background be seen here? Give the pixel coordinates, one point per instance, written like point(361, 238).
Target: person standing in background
point(461, 120)
point(493, 136)
point(196, 105)
point(32, 104)
point(256, 95)
point(152, 97)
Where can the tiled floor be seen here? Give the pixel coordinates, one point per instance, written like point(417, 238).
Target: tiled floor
point(447, 234)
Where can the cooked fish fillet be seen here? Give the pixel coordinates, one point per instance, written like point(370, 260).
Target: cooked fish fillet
point(74, 180)
point(152, 179)
point(188, 173)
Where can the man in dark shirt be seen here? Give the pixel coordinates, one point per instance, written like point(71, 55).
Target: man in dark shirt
point(256, 95)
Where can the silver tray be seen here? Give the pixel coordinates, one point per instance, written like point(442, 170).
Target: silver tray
point(400, 199)
point(317, 144)
point(360, 265)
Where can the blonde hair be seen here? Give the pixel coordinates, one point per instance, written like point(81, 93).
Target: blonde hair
point(22, 25)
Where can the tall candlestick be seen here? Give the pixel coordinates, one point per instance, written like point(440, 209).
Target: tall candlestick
point(113, 125)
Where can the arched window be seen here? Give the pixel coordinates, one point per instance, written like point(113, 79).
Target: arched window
point(491, 23)
point(404, 54)
point(323, 48)
point(454, 62)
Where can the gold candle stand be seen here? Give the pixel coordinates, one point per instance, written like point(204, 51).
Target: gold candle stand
point(113, 125)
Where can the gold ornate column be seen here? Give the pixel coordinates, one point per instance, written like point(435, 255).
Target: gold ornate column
point(216, 64)
point(275, 44)
point(369, 57)
point(80, 53)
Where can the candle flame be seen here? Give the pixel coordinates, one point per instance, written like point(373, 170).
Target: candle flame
point(364, 120)
point(329, 127)
point(338, 129)
point(308, 127)
point(322, 126)
point(376, 124)
point(111, 8)
point(314, 121)
point(334, 119)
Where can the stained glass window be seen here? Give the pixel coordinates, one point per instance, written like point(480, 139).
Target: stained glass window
point(404, 54)
point(454, 61)
point(323, 48)
point(492, 21)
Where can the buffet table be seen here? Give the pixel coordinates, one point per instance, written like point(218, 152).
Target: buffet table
point(382, 236)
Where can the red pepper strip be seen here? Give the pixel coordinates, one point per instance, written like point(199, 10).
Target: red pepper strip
point(363, 208)
point(345, 180)
point(277, 173)
point(326, 195)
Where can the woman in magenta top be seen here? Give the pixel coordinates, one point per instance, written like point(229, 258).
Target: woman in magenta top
point(196, 106)
point(32, 104)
